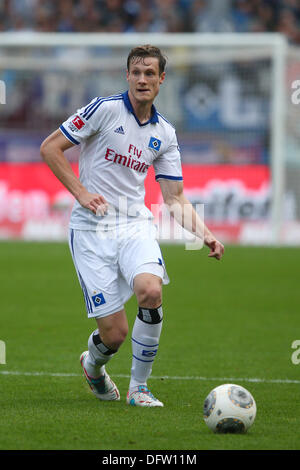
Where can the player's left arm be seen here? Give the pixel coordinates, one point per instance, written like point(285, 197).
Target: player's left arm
point(184, 213)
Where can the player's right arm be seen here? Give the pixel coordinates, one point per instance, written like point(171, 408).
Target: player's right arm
point(52, 150)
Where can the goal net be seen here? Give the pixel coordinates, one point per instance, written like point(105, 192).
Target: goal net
point(226, 94)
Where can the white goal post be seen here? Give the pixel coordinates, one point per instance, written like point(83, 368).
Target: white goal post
point(28, 51)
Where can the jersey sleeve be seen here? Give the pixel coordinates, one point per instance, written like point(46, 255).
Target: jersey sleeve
point(168, 164)
point(87, 121)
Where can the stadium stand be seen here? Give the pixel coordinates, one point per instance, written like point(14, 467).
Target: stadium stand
point(152, 16)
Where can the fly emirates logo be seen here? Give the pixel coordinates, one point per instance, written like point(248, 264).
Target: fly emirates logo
point(130, 160)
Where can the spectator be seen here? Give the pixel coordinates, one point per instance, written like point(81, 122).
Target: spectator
point(288, 25)
point(242, 15)
point(167, 16)
point(212, 17)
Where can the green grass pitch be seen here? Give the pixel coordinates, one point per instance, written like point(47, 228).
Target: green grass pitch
point(233, 320)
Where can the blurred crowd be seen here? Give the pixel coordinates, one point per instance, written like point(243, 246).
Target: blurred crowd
point(152, 16)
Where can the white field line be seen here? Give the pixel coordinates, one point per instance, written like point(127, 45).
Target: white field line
point(164, 377)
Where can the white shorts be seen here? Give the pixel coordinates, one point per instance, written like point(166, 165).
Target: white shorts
point(106, 266)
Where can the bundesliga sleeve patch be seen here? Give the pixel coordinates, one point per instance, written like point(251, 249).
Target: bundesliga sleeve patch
point(78, 122)
point(154, 144)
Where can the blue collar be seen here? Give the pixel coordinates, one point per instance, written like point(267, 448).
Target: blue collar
point(154, 115)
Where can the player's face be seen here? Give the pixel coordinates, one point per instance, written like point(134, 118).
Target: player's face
point(144, 79)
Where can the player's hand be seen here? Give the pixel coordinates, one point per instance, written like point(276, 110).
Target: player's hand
point(94, 202)
point(216, 248)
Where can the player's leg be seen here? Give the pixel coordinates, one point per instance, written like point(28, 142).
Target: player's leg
point(105, 341)
point(142, 266)
point(145, 336)
point(97, 269)
point(103, 344)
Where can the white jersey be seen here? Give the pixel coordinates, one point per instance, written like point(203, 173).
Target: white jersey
point(116, 152)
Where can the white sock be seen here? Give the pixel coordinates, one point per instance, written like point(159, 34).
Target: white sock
point(98, 355)
point(145, 341)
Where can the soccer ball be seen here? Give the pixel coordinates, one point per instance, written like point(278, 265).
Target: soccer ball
point(229, 408)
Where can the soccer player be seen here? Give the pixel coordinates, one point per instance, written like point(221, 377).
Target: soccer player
point(115, 252)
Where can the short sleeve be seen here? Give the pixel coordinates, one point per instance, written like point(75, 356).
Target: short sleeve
point(87, 121)
point(168, 164)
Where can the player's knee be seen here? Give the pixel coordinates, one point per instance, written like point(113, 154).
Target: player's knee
point(150, 296)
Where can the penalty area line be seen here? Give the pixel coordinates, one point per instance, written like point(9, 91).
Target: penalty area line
point(163, 377)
